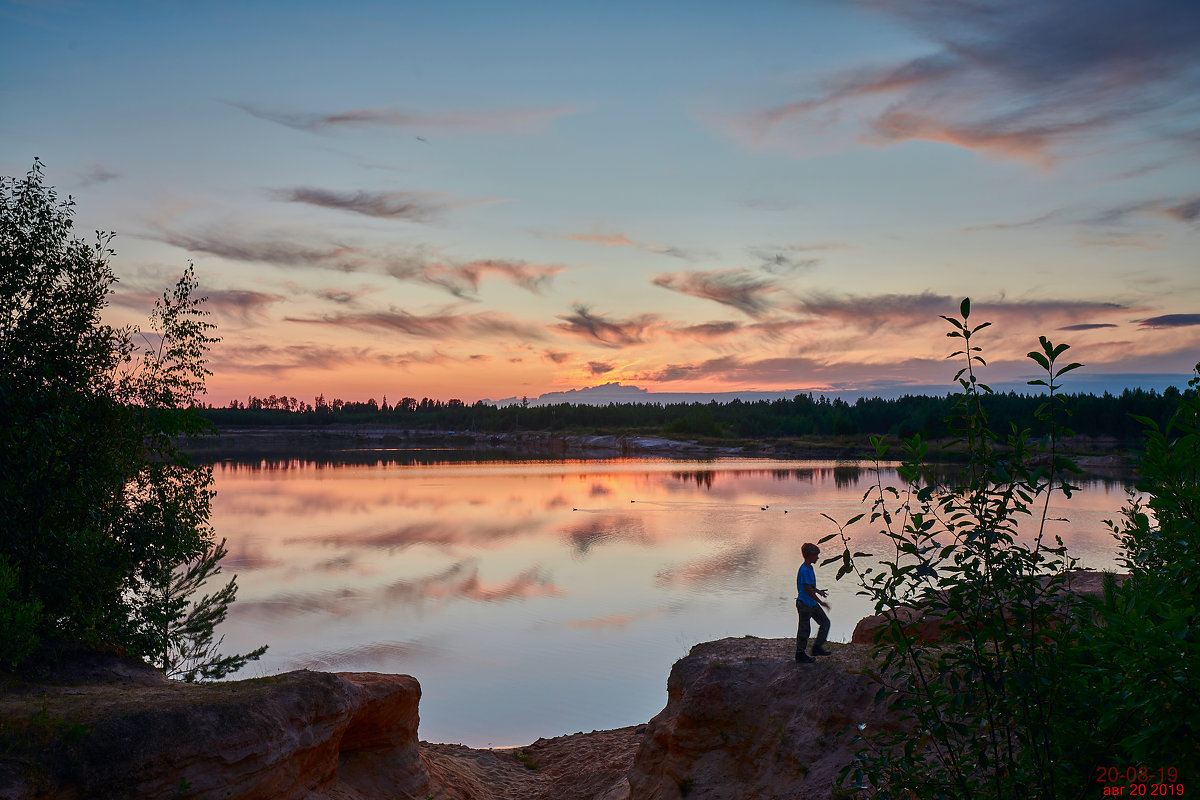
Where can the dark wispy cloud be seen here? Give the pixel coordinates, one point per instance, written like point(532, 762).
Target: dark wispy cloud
point(342, 296)
point(462, 279)
point(599, 367)
point(443, 325)
point(1015, 80)
point(1031, 222)
point(96, 174)
point(601, 329)
point(1123, 225)
point(782, 260)
point(740, 288)
point(1181, 209)
point(459, 278)
point(707, 331)
point(1170, 321)
point(534, 278)
point(874, 312)
point(498, 120)
point(243, 305)
point(725, 368)
point(414, 206)
point(1186, 210)
point(1087, 326)
point(277, 360)
point(801, 371)
point(277, 250)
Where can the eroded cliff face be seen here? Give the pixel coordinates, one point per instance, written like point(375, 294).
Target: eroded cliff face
point(744, 720)
point(298, 736)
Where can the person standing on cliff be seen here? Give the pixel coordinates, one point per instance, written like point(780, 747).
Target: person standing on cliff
point(808, 606)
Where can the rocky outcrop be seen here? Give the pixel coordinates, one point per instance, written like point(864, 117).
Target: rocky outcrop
point(743, 719)
point(298, 736)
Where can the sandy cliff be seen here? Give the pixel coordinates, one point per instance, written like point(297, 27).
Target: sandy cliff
point(132, 734)
point(742, 720)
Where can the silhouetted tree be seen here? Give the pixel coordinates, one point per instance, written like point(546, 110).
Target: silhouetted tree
point(102, 512)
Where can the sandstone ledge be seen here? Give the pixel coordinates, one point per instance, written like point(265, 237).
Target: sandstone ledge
point(742, 720)
point(297, 736)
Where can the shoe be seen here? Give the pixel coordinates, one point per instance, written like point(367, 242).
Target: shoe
point(803, 659)
point(821, 651)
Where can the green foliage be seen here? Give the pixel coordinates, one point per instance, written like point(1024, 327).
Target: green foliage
point(101, 508)
point(1148, 626)
point(525, 759)
point(1027, 688)
point(18, 619)
point(185, 627)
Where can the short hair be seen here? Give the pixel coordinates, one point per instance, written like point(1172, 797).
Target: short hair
point(809, 549)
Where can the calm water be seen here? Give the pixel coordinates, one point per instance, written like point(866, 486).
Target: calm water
point(539, 598)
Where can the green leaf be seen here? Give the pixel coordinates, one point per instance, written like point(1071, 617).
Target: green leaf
point(953, 322)
point(1068, 368)
point(964, 308)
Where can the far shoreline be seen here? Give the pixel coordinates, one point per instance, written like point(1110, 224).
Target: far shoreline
point(1102, 456)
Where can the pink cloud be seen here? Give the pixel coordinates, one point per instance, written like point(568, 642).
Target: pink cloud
point(1018, 81)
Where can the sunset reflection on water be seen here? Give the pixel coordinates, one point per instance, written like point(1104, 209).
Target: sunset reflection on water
point(535, 598)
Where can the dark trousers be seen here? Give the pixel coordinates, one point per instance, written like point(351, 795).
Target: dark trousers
point(807, 614)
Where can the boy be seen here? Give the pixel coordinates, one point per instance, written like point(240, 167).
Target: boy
point(808, 606)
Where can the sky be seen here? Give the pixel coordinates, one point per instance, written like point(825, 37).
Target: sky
point(482, 200)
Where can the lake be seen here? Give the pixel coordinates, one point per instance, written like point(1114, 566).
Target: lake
point(538, 598)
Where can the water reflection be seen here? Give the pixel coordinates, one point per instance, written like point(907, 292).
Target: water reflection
point(541, 597)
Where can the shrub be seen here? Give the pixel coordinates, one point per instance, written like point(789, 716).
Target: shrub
point(1030, 689)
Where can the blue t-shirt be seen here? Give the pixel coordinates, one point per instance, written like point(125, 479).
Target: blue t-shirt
point(806, 575)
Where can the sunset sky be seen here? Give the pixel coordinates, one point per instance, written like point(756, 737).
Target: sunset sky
point(485, 200)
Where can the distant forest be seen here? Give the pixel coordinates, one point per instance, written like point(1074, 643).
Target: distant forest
point(1105, 415)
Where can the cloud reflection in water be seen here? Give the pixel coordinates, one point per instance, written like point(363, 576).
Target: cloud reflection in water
point(541, 583)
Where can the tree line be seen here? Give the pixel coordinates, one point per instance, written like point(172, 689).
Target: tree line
point(1106, 415)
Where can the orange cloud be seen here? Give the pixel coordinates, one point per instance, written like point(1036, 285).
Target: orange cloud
point(621, 240)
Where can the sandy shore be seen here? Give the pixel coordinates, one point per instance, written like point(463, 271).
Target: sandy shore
point(582, 766)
